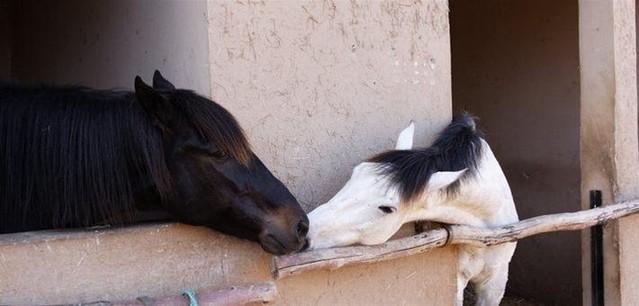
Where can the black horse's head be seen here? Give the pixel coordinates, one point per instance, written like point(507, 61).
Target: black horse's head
point(216, 179)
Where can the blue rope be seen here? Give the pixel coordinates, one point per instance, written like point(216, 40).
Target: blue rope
point(191, 295)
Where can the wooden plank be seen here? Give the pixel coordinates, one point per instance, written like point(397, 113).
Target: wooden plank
point(234, 295)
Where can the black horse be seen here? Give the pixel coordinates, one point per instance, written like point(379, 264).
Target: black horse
point(78, 157)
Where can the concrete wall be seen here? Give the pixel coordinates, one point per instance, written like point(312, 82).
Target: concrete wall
point(105, 44)
point(161, 260)
point(609, 146)
point(321, 85)
point(515, 65)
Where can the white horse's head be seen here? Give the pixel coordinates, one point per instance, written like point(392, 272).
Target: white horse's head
point(457, 180)
point(379, 196)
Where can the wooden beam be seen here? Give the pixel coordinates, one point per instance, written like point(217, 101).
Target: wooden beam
point(287, 265)
point(233, 295)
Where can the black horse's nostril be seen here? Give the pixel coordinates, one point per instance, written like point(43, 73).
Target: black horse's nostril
point(302, 228)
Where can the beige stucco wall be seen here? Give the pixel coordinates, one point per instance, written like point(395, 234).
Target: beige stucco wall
point(85, 266)
point(318, 86)
point(321, 85)
point(609, 146)
point(424, 279)
point(162, 260)
point(516, 66)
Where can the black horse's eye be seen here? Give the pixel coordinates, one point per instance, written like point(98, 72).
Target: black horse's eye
point(219, 155)
point(387, 209)
point(208, 149)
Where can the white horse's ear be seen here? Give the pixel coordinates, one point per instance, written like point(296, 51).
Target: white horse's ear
point(405, 138)
point(442, 179)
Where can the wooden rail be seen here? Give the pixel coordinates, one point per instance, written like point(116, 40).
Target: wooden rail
point(251, 293)
point(287, 265)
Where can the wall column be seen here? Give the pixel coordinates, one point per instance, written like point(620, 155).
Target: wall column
point(608, 138)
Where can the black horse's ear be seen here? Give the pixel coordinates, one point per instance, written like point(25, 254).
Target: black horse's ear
point(156, 105)
point(159, 82)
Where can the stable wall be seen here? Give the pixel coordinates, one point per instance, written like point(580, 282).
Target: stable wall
point(516, 67)
point(85, 266)
point(321, 85)
point(609, 147)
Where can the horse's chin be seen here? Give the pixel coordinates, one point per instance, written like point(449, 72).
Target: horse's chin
point(273, 245)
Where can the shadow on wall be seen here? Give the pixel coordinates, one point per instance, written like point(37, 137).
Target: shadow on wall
point(5, 40)
point(515, 66)
point(104, 44)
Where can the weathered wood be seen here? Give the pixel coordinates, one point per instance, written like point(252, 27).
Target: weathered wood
point(235, 295)
point(542, 224)
point(283, 266)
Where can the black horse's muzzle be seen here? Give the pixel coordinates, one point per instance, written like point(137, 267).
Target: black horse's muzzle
point(284, 241)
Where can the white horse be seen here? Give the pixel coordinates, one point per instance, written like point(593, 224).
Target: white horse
point(457, 180)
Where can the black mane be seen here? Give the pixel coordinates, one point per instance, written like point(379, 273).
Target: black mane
point(456, 148)
point(73, 156)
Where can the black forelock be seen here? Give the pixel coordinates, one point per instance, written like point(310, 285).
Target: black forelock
point(214, 124)
point(456, 148)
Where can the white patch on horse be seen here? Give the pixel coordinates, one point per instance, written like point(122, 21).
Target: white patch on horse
point(368, 210)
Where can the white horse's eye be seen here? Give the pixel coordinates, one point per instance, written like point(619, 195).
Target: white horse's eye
point(387, 209)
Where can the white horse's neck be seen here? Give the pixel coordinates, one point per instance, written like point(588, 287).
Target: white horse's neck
point(484, 200)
